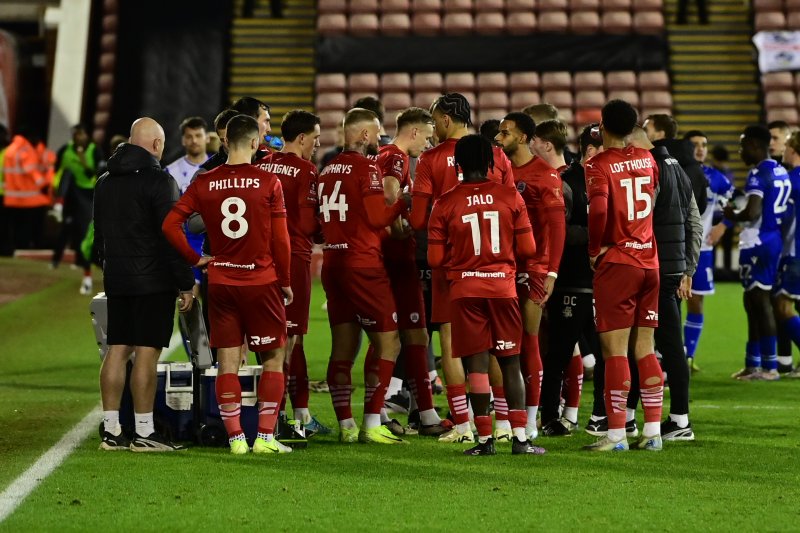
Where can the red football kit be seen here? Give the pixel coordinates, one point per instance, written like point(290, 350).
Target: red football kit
point(435, 175)
point(354, 216)
point(620, 183)
point(541, 188)
point(298, 178)
point(483, 227)
point(245, 218)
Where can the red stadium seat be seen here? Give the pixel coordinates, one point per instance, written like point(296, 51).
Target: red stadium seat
point(492, 81)
point(459, 81)
point(654, 79)
point(490, 23)
point(770, 21)
point(104, 102)
point(364, 6)
point(558, 98)
point(797, 81)
point(616, 22)
point(522, 99)
point(364, 24)
point(583, 5)
point(396, 100)
point(105, 83)
point(793, 21)
point(778, 81)
point(424, 99)
point(521, 23)
point(491, 114)
point(565, 115)
point(353, 96)
point(457, 23)
point(657, 99)
point(792, 5)
point(330, 119)
point(457, 6)
point(110, 23)
point(327, 138)
point(396, 81)
point(524, 81)
point(621, 79)
point(395, 24)
point(615, 5)
point(492, 100)
point(588, 81)
point(426, 6)
point(489, 6)
point(364, 82)
point(647, 22)
point(332, 6)
point(331, 83)
point(332, 24)
point(587, 116)
point(395, 6)
point(553, 21)
point(331, 102)
point(648, 5)
point(513, 6)
point(428, 82)
point(788, 114)
point(767, 5)
point(553, 5)
point(556, 81)
point(589, 99)
point(632, 97)
point(423, 23)
point(777, 99)
point(584, 22)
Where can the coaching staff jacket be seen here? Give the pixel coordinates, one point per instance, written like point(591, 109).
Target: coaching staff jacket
point(130, 202)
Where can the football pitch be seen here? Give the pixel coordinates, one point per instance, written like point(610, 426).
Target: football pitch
point(742, 472)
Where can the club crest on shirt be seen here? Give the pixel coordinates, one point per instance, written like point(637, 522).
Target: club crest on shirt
point(521, 186)
point(373, 179)
point(414, 317)
point(398, 165)
point(558, 193)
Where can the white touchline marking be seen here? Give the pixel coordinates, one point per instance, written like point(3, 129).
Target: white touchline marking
point(13, 496)
point(749, 407)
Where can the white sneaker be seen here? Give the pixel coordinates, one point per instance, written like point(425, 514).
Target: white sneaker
point(502, 435)
point(531, 432)
point(455, 436)
point(86, 285)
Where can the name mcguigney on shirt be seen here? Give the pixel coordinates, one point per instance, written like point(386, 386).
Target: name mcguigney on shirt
point(631, 164)
point(233, 183)
point(283, 170)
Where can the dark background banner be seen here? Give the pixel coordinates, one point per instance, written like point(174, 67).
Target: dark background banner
point(541, 52)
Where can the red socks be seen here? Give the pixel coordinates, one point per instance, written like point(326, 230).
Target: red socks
point(229, 395)
point(651, 383)
point(457, 400)
point(419, 381)
point(339, 382)
point(298, 378)
point(374, 394)
point(618, 384)
point(517, 417)
point(531, 369)
point(270, 392)
point(500, 404)
point(573, 382)
point(484, 426)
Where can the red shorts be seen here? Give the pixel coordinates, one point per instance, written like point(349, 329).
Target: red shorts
point(297, 311)
point(407, 290)
point(536, 285)
point(481, 324)
point(360, 295)
point(440, 297)
point(625, 296)
point(256, 312)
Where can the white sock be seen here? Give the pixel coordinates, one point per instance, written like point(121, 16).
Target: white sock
point(347, 423)
point(433, 375)
point(463, 428)
point(412, 403)
point(266, 436)
point(651, 429)
point(616, 435)
point(681, 420)
point(371, 421)
point(571, 414)
point(482, 440)
point(502, 424)
point(785, 360)
point(384, 416)
point(519, 434)
point(595, 418)
point(144, 424)
point(630, 414)
point(111, 422)
point(302, 414)
point(429, 417)
point(532, 411)
point(589, 361)
point(394, 387)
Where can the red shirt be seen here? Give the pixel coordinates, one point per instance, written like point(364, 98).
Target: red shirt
point(237, 203)
point(477, 223)
point(621, 183)
point(345, 185)
point(540, 187)
point(392, 161)
point(298, 179)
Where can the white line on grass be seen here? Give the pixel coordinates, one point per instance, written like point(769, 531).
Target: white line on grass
point(20, 488)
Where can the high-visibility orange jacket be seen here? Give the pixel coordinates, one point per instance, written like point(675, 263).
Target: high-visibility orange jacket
point(25, 183)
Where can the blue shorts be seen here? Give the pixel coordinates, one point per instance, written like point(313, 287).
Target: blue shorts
point(788, 283)
point(703, 279)
point(758, 266)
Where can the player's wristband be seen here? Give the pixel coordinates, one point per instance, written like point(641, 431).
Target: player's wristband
point(728, 223)
point(553, 275)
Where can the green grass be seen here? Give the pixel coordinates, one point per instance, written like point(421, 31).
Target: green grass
point(741, 472)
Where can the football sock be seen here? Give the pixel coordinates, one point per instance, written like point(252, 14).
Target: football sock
point(111, 422)
point(416, 363)
point(573, 380)
point(769, 353)
point(286, 385)
point(429, 417)
point(792, 326)
point(651, 384)
point(457, 400)
point(298, 372)
point(229, 399)
point(681, 420)
point(531, 413)
point(340, 384)
point(630, 414)
point(500, 404)
point(532, 370)
point(692, 329)
point(571, 414)
point(372, 420)
point(266, 436)
point(302, 414)
point(384, 416)
point(618, 384)
point(270, 391)
point(484, 425)
point(144, 424)
point(374, 394)
point(753, 354)
point(518, 420)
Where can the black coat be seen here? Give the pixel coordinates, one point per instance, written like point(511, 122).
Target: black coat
point(131, 201)
point(671, 209)
point(683, 151)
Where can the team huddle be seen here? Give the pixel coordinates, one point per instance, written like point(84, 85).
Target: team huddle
point(521, 259)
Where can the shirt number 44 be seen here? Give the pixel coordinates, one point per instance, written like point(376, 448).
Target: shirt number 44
point(334, 202)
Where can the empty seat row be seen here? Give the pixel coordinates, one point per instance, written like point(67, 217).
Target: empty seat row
point(781, 81)
point(777, 20)
point(523, 23)
point(760, 6)
point(482, 6)
point(514, 82)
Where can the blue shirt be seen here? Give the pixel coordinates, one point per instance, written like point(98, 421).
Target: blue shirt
point(720, 189)
point(770, 181)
